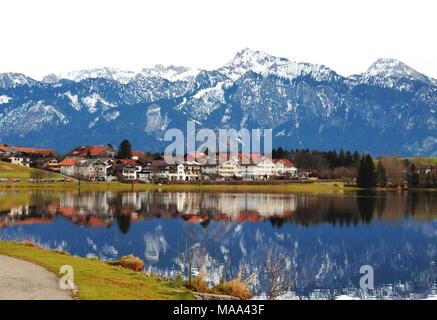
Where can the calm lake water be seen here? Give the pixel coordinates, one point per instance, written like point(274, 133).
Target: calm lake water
point(325, 238)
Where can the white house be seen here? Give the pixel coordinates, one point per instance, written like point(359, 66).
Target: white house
point(186, 171)
point(285, 166)
point(20, 161)
point(230, 168)
point(67, 166)
point(261, 170)
point(93, 169)
point(131, 172)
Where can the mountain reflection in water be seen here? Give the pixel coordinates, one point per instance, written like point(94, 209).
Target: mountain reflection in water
point(326, 238)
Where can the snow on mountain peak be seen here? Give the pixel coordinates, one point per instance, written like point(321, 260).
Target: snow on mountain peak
point(13, 79)
point(122, 76)
point(171, 73)
point(392, 68)
point(265, 64)
point(248, 59)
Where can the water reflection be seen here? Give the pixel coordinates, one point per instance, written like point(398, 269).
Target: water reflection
point(326, 238)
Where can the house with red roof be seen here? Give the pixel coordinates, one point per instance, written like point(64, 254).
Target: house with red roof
point(92, 152)
point(137, 155)
point(68, 165)
point(285, 166)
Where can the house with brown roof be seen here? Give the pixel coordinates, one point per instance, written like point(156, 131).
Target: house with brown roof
point(92, 152)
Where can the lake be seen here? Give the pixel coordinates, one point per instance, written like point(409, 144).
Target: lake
point(323, 240)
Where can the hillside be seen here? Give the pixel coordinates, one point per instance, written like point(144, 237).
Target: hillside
point(12, 171)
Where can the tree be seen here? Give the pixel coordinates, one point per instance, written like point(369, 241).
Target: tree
point(366, 177)
point(395, 170)
point(381, 177)
point(37, 175)
point(414, 178)
point(125, 150)
point(279, 278)
point(356, 159)
point(341, 159)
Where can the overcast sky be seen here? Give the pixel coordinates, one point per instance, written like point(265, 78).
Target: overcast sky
point(51, 36)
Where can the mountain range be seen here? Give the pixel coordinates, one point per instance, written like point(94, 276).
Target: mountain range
point(388, 109)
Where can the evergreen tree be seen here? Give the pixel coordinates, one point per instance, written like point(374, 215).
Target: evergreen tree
point(366, 177)
point(348, 159)
point(381, 176)
point(356, 159)
point(125, 150)
point(341, 158)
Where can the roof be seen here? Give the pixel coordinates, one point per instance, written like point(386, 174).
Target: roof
point(85, 151)
point(286, 162)
point(126, 161)
point(89, 162)
point(137, 153)
point(4, 147)
point(68, 162)
point(43, 152)
point(161, 163)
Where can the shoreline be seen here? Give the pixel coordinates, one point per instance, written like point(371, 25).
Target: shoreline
point(97, 279)
point(275, 186)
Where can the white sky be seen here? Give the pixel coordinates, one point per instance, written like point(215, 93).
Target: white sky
point(52, 36)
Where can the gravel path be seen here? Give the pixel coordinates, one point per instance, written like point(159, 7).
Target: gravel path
point(22, 280)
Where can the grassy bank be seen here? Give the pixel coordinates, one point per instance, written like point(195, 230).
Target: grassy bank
point(97, 280)
point(423, 161)
point(13, 171)
point(315, 187)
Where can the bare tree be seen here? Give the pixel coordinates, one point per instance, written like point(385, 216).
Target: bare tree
point(38, 175)
point(395, 170)
point(279, 273)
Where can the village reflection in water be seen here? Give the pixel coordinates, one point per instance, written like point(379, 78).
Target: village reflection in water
point(326, 238)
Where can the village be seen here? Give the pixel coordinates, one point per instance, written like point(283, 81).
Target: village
point(102, 163)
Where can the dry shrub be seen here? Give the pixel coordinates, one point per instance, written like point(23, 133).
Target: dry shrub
point(199, 284)
point(65, 253)
point(235, 288)
point(28, 244)
point(129, 262)
point(239, 289)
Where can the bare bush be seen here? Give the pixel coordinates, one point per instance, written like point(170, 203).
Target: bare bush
point(279, 273)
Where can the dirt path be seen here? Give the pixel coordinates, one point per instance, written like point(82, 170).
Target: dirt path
point(22, 280)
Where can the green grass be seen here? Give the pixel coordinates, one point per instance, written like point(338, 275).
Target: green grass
point(315, 187)
point(423, 161)
point(97, 280)
point(13, 171)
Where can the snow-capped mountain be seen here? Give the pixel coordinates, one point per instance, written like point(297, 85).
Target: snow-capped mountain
point(171, 73)
point(390, 108)
point(13, 79)
point(122, 76)
point(389, 72)
point(265, 64)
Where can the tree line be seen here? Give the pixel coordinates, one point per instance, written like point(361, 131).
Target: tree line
point(362, 168)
